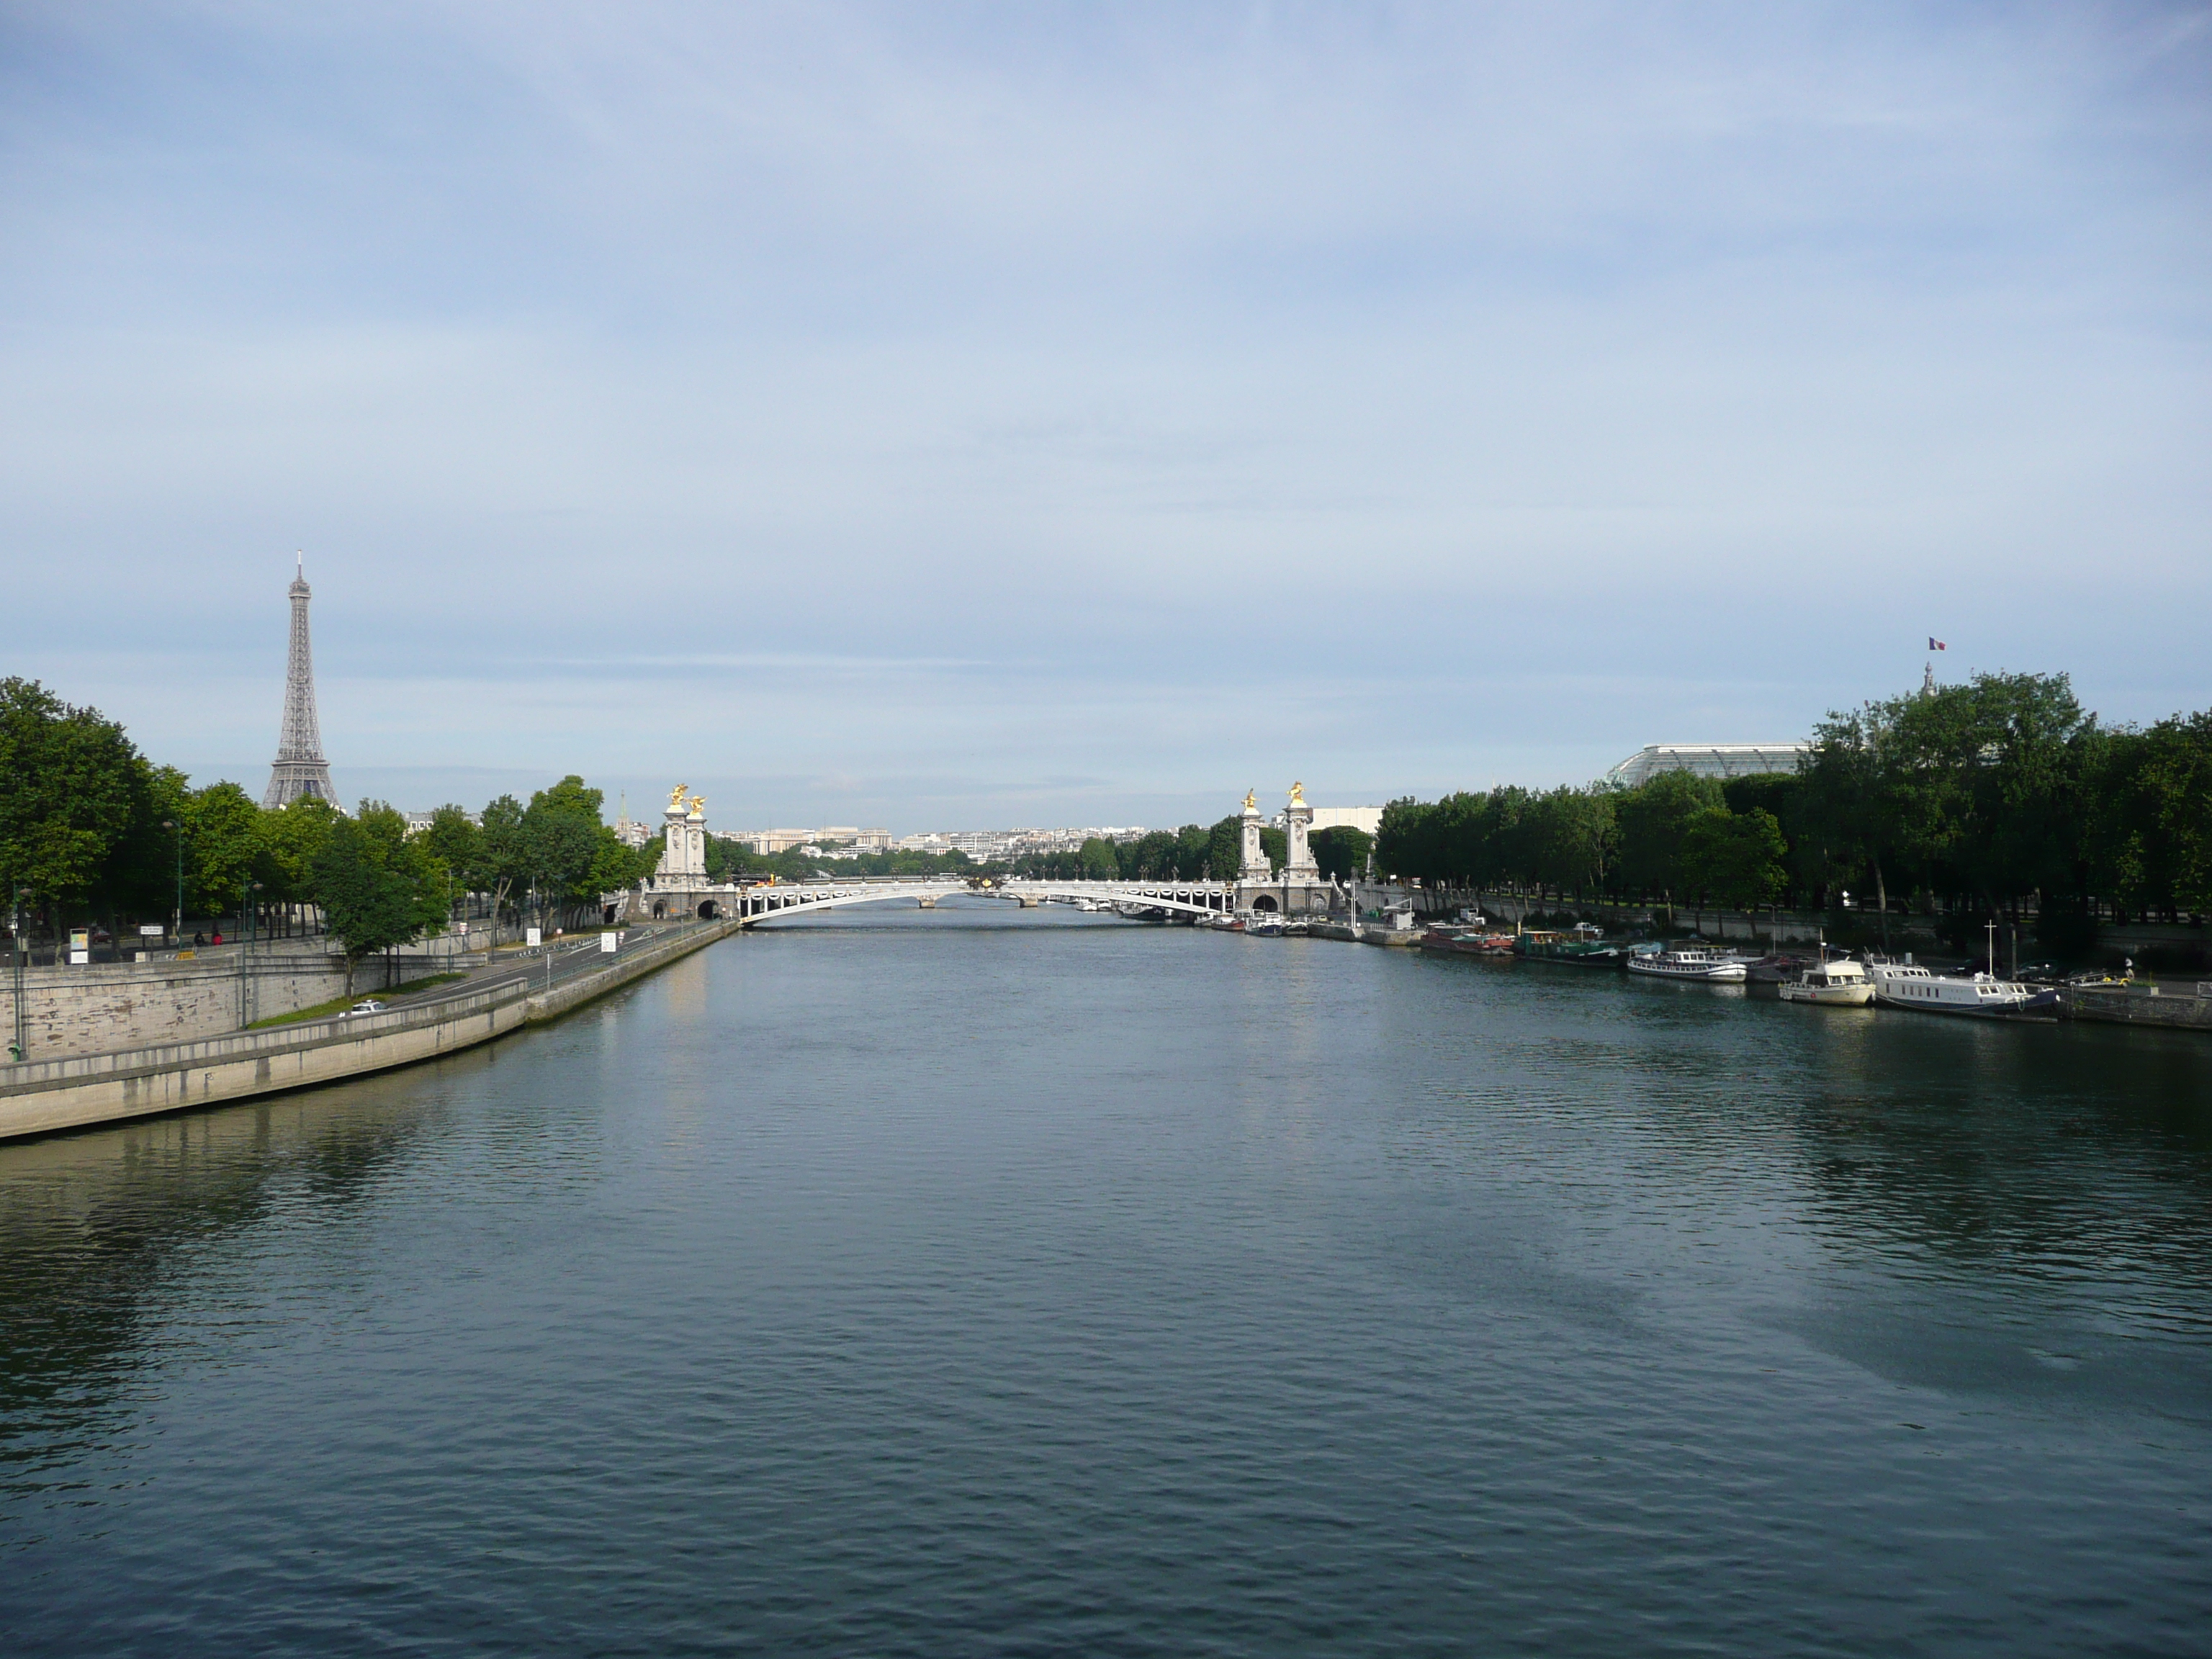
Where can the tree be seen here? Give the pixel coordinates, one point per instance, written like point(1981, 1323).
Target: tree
point(1341, 851)
point(566, 853)
point(558, 850)
point(377, 888)
point(1100, 860)
point(1655, 819)
point(502, 865)
point(74, 793)
point(226, 845)
point(1193, 846)
point(2149, 841)
point(1569, 835)
point(614, 867)
point(1735, 857)
point(572, 795)
point(458, 844)
point(2179, 770)
point(1224, 849)
point(292, 838)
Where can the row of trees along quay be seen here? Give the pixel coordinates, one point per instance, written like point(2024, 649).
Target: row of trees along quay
point(93, 833)
point(2001, 798)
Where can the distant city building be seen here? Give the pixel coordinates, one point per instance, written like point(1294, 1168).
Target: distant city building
point(300, 769)
point(418, 822)
point(769, 842)
point(627, 830)
point(1366, 820)
point(1707, 760)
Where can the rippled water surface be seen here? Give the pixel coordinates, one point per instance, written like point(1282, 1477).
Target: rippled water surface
point(977, 1282)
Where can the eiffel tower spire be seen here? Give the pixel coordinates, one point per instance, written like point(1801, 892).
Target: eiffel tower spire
point(300, 769)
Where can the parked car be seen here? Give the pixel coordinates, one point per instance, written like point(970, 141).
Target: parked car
point(366, 1005)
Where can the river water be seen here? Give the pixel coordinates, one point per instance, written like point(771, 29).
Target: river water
point(985, 1282)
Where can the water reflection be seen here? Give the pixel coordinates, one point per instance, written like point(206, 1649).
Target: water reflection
point(91, 1225)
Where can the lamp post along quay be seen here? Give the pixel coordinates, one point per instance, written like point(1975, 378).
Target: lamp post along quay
point(245, 999)
point(177, 918)
point(18, 1047)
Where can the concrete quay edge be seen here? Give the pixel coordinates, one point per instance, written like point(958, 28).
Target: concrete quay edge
point(45, 1098)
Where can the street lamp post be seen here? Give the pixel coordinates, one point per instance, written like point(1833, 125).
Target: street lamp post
point(245, 918)
point(18, 1049)
point(176, 928)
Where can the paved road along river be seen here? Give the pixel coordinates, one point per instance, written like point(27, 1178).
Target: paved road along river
point(998, 1282)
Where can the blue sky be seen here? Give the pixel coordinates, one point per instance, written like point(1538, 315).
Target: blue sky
point(967, 414)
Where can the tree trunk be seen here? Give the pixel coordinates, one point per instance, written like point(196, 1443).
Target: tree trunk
point(1882, 898)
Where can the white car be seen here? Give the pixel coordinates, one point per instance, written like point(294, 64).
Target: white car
point(367, 1005)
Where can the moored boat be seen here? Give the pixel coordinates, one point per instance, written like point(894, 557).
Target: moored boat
point(1905, 985)
point(1841, 984)
point(1585, 947)
point(1776, 968)
point(1691, 963)
point(1461, 941)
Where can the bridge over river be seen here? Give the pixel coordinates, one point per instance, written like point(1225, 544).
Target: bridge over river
point(751, 906)
point(679, 886)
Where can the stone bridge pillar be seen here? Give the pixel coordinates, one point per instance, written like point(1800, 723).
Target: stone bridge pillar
point(1298, 864)
point(1254, 863)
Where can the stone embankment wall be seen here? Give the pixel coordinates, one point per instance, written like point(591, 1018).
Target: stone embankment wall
point(44, 1096)
point(86, 1010)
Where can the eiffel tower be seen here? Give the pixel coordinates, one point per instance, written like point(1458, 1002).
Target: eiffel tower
point(300, 768)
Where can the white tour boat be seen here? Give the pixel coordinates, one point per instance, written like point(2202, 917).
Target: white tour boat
point(1901, 985)
point(1841, 984)
point(1698, 963)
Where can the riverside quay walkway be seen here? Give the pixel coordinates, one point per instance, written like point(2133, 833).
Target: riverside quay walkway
point(44, 1096)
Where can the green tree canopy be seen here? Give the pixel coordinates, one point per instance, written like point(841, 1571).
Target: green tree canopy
point(377, 887)
point(456, 843)
point(226, 845)
point(75, 793)
point(1224, 849)
point(1341, 851)
point(293, 836)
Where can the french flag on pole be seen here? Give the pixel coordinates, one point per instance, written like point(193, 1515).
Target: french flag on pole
point(1935, 644)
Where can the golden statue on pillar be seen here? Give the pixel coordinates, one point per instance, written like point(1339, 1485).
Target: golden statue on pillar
point(675, 795)
point(1298, 794)
point(697, 802)
point(1251, 800)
